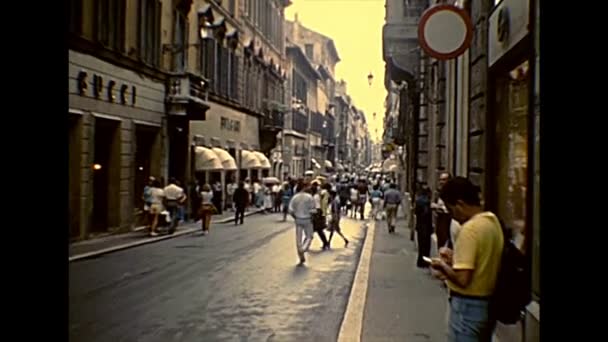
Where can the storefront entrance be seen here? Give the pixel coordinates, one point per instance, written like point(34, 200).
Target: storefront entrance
point(74, 174)
point(511, 138)
point(106, 175)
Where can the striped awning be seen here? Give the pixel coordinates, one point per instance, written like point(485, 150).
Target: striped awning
point(227, 160)
point(249, 160)
point(206, 160)
point(264, 162)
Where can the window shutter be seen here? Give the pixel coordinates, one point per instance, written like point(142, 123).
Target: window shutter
point(156, 33)
point(224, 72)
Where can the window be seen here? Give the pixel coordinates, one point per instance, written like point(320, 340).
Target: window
point(110, 24)
point(299, 88)
point(222, 70)
point(248, 8)
point(208, 59)
point(233, 73)
point(75, 17)
point(231, 6)
point(512, 152)
point(309, 51)
point(149, 31)
point(180, 40)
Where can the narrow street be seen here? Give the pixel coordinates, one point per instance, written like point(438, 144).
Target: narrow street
point(238, 283)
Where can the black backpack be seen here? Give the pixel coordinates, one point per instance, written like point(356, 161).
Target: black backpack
point(513, 290)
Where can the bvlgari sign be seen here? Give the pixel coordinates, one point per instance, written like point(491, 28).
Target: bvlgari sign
point(508, 25)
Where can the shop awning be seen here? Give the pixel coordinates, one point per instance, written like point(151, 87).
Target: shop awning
point(315, 164)
point(328, 164)
point(249, 160)
point(264, 162)
point(206, 160)
point(390, 165)
point(339, 167)
point(228, 162)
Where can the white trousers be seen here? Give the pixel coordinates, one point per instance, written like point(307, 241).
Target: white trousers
point(304, 233)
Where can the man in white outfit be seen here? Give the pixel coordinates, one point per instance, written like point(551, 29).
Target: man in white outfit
point(301, 208)
point(174, 197)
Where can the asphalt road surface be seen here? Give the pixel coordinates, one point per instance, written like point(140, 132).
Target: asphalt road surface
point(239, 283)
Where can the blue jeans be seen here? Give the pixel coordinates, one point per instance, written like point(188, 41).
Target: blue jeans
point(181, 213)
point(470, 320)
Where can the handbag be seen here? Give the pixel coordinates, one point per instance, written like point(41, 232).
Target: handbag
point(207, 209)
point(319, 222)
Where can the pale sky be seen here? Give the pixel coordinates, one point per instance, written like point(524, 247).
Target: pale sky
point(356, 29)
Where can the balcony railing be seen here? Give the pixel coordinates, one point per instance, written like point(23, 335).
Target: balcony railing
point(329, 133)
point(316, 123)
point(300, 122)
point(273, 120)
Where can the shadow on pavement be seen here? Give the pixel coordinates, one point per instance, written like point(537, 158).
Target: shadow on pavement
point(299, 271)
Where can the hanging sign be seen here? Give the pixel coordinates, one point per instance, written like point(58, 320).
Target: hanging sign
point(445, 31)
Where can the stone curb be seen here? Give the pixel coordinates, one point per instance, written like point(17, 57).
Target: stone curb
point(149, 240)
point(352, 323)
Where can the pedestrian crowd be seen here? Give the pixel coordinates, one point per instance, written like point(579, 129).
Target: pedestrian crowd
point(484, 272)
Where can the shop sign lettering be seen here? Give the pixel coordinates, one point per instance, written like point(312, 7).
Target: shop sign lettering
point(97, 83)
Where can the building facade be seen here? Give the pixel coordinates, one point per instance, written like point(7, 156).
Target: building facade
point(192, 89)
point(478, 116)
point(117, 122)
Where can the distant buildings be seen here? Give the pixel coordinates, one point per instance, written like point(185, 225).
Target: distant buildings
point(336, 137)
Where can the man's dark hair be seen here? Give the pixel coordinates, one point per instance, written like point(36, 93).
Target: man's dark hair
point(241, 185)
point(393, 186)
point(301, 185)
point(460, 188)
point(172, 180)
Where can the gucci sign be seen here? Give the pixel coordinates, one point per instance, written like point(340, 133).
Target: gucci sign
point(98, 87)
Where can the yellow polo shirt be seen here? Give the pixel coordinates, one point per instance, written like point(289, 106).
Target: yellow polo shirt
point(478, 248)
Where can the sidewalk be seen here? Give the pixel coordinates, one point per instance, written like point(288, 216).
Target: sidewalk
point(403, 302)
point(111, 243)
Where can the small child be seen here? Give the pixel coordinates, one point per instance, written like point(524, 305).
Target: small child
point(334, 223)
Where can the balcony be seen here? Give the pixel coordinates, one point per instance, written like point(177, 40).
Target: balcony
point(271, 123)
point(300, 122)
point(316, 123)
point(329, 133)
point(187, 96)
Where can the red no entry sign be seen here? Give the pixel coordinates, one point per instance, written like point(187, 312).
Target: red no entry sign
point(445, 31)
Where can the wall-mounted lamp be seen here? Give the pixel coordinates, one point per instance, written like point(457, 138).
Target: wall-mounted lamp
point(96, 167)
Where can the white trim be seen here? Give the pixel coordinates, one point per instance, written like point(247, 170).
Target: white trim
point(104, 116)
point(294, 133)
point(146, 123)
point(76, 111)
point(351, 327)
point(534, 310)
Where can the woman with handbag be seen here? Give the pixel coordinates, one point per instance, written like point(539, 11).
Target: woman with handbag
point(207, 208)
point(319, 222)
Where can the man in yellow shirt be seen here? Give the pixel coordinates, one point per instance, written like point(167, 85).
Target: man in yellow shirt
point(471, 269)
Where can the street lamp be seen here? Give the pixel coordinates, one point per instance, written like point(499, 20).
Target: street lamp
point(370, 78)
